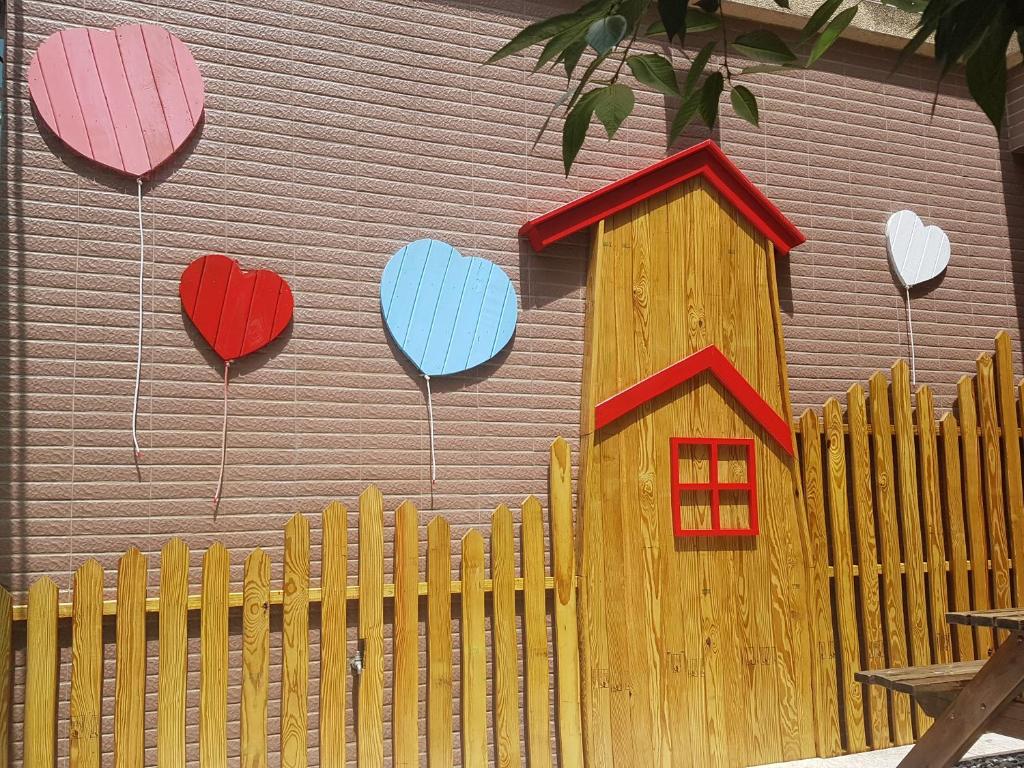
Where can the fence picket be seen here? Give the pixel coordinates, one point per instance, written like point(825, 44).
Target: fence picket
point(295, 640)
point(404, 701)
point(563, 564)
point(129, 691)
point(974, 512)
point(995, 509)
point(173, 659)
point(86, 665)
point(889, 548)
point(954, 523)
point(213, 659)
point(846, 610)
point(931, 505)
point(1010, 433)
point(370, 723)
point(503, 629)
point(255, 659)
point(824, 690)
point(538, 714)
point(474, 653)
point(6, 674)
point(867, 558)
point(439, 643)
point(910, 522)
point(40, 737)
point(333, 636)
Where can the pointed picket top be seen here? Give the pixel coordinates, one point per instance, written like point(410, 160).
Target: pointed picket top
point(439, 525)
point(175, 546)
point(255, 558)
point(371, 497)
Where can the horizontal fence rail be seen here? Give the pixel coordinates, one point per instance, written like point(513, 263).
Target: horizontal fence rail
point(910, 515)
point(517, 608)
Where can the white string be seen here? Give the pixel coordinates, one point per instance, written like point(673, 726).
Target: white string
point(223, 439)
point(910, 326)
point(430, 418)
point(138, 355)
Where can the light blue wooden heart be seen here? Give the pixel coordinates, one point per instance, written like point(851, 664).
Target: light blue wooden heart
point(446, 312)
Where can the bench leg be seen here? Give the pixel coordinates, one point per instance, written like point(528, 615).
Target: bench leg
point(981, 700)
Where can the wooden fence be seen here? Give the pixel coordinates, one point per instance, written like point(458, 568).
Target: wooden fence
point(296, 598)
point(912, 516)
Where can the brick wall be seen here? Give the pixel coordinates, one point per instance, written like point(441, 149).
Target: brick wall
point(334, 134)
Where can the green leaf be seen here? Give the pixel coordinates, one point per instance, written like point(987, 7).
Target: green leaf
point(632, 10)
point(766, 46)
point(585, 78)
point(744, 104)
point(575, 129)
point(986, 73)
point(542, 30)
point(655, 71)
point(557, 45)
point(710, 5)
point(700, 61)
point(699, 21)
point(604, 34)
point(831, 34)
point(684, 116)
point(673, 18)
point(818, 19)
point(710, 92)
point(571, 56)
point(613, 105)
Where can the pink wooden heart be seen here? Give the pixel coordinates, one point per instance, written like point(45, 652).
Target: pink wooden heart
point(127, 98)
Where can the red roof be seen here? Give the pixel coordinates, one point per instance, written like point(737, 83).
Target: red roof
point(706, 160)
point(708, 359)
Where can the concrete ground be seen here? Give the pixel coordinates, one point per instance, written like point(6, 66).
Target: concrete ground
point(990, 744)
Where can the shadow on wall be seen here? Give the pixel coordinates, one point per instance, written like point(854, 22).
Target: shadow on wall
point(12, 343)
point(1012, 167)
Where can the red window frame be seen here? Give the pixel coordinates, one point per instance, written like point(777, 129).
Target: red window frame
point(714, 487)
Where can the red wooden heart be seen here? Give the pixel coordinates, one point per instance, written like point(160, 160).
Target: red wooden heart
point(236, 312)
point(127, 98)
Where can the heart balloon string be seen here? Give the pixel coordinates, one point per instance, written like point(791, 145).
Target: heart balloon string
point(138, 345)
point(430, 421)
point(910, 331)
point(223, 440)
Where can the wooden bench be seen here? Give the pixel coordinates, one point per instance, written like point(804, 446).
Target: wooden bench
point(967, 698)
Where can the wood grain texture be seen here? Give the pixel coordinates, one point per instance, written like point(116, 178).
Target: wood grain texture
point(129, 694)
point(370, 722)
point(910, 523)
point(334, 637)
point(1010, 437)
point(295, 639)
point(992, 478)
point(405, 688)
point(474, 653)
point(538, 713)
point(503, 633)
point(173, 663)
point(40, 734)
point(893, 595)
point(867, 558)
point(563, 555)
point(826, 697)
point(213, 659)
point(86, 666)
point(6, 675)
point(845, 601)
point(974, 511)
point(439, 644)
point(255, 659)
point(953, 510)
point(931, 506)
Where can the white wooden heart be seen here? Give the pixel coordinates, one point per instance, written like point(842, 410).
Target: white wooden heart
point(917, 253)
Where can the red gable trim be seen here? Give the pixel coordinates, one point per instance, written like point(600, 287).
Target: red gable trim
point(705, 159)
point(708, 359)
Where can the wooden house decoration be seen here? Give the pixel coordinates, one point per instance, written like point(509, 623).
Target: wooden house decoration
point(694, 562)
